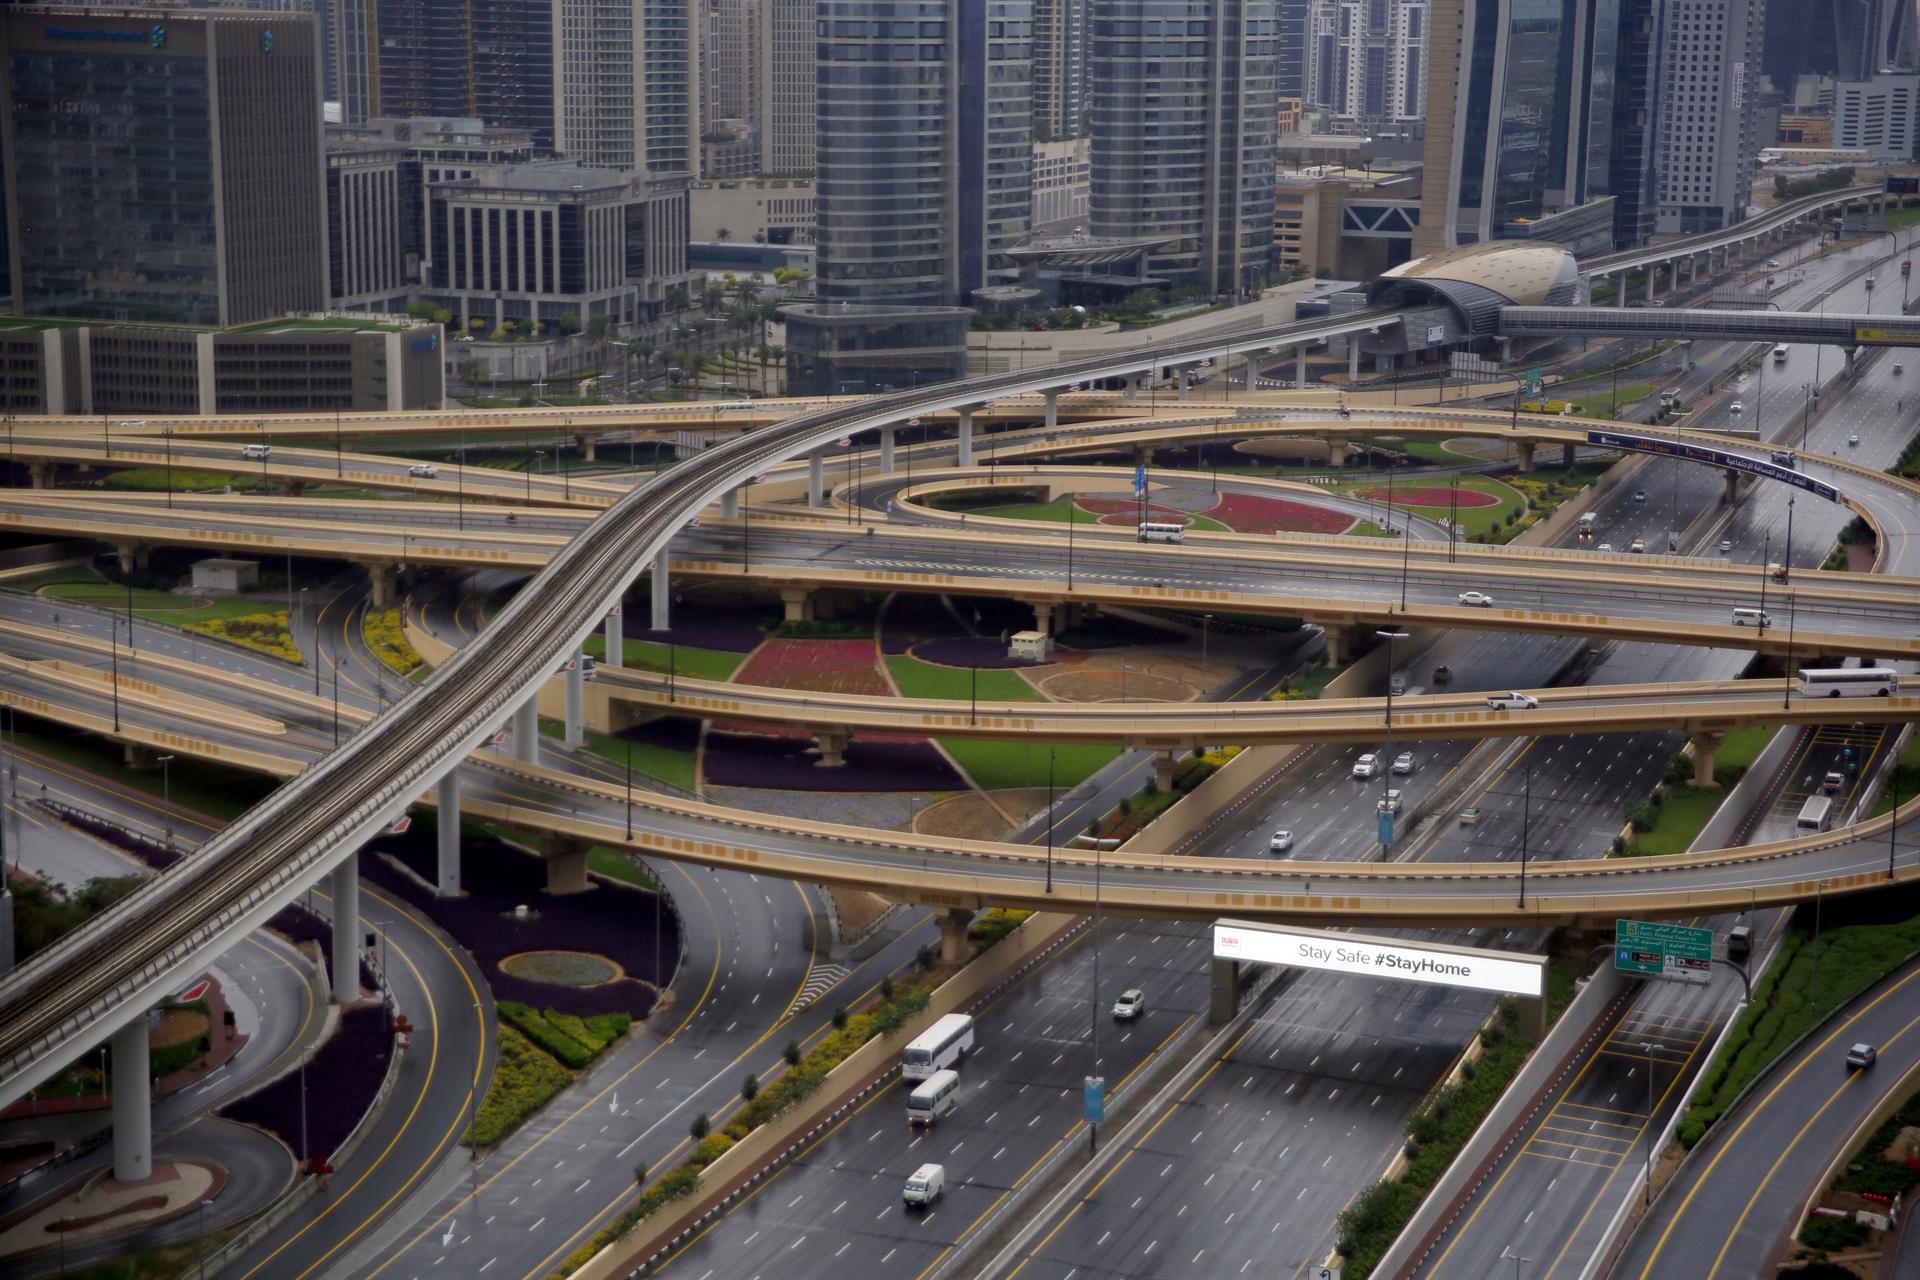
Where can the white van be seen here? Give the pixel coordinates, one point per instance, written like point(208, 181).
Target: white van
point(1780, 354)
point(1815, 815)
point(1751, 618)
point(257, 451)
point(933, 1098)
point(925, 1184)
point(1161, 531)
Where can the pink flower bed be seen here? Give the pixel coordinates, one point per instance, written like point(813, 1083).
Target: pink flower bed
point(1129, 509)
point(1248, 513)
point(1409, 497)
point(823, 666)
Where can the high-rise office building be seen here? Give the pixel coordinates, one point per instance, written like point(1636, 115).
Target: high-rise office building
point(788, 85)
point(491, 59)
point(1636, 109)
point(924, 185)
point(1366, 67)
point(626, 84)
point(1060, 68)
point(1184, 112)
point(1848, 39)
point(730, 88)
point(1290, 71)
point(1708, 122)
point(189, 190)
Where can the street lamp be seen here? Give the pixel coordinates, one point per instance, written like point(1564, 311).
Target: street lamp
point(1526, 815)
point(166, 435)
point(1813, 987)
point(166, 796)
point(1647, 1047)
point(1508, 1253)
point(1386, 774)
point(200, 1216)
point(1051, 750)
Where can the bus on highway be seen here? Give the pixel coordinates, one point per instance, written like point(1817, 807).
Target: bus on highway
point(1161, 531)
point(1815, 815)
point(1849, 682)
point(937, 1048)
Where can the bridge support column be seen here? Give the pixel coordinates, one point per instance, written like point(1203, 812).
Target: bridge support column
point(730, 504)
point(616, 634)
point(798, 602)
point(661, 582)
point(589, 447)
point(1851, 352)
point(526, 731)
point(1732, 487)
point(1043, 617)
point(1053, 410)
point(1341, 644)
point(953, 924)
point(1526, 453)
point(1164, 765)
point(963, 455)
point(133, 556)
point(816, 479)
point(1653, 273)
point(576, 687)
point(1336, 451)
point(886, 451)
point(1705, 746)
point(1300, 367)
point(1620, 290)
point(1224, 1002)
point(446, 879)
point(1353, 360)
point(386, 582)
point(346, 931)
point(833, 748)
point(138, 757)
point(40, 475)
point(566, 860)
point(1567, 454)
point(132, 1106)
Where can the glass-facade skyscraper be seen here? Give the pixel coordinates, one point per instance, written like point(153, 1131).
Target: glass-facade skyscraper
point(1184, 114)
point(191, 189)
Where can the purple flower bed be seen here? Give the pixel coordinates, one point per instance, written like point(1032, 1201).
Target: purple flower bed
point(727, 637)
point(783, 763)
point(912, 617)
point(988, 655)
point(612, 920)
point(343, 1078)
point(297, 925)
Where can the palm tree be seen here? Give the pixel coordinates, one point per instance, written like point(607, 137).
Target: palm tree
point(723, 233)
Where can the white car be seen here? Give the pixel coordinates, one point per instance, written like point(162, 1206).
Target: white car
point(1366, 766)
point(1131, 1004)
point(1736, 407)
point(1281, 842)
point(1605, 546)
point(1512, 701)
point(1478, 599)
point(1389, 803)
point(1403, 763)
point(1726, 545)
point(1773, 262)
point(424, 471)
point(1853, 439)
point(1639, 495)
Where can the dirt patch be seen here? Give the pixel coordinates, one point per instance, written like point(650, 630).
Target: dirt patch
point(145, 1204)
point(1026, 802)
point(562, 968)
point(1101, 684)
point(857, 909)
point(179, 1026)
point(963, 817)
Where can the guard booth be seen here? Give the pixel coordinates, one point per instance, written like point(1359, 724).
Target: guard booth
point(1240, 942)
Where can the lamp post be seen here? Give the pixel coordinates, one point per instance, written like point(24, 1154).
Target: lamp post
point(1893, 815)
point(1051, 750)
point(316, 641)
point(1813, 987)
point(1070, 524)
point(1508, 1253)
point(1647, 1047)
point(629, 742)
point(1526, 815)
point(1386, 775)
point(113, 651)
point(1786, 692)
point(166, 796)
point(166, 436)
point(200, 1217)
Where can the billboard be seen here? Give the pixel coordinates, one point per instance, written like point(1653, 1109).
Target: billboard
point(1372, 957)
point(1715, 458)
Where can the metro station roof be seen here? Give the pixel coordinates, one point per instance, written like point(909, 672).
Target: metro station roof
point(1479, 279)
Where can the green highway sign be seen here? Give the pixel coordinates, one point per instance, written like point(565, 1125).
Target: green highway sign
point(1663, 950)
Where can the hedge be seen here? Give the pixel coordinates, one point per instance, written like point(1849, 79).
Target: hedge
point(266, 632)
point(387, 636)
point(574, 1041)
point(524, 1080)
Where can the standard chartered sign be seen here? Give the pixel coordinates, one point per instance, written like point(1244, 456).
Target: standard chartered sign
point(1380, 957)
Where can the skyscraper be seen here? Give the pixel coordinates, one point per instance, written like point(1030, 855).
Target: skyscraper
point(624, 83)
point(1290, 73)
point(786, 71)
point(190, 191)
point(1708, 123)
point(1848, 39)
point(1183, 122)
point(1366, 66)
point(1059, 68)
point(1636, 109)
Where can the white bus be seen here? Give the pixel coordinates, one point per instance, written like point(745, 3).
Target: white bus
point(1780, 354)
point(938, 1047)
point(933, 1098)
point(1161, 531)
point(1849, 682)
point(1815, 814)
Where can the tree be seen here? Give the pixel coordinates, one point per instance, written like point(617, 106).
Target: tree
point(570, 322)
point(700, 1127)
point(791, 1053)
point(640, 1172)
point(750, 1087)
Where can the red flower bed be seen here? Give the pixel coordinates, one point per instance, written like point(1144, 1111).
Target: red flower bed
point(1412, 497)
point(1129, 509)
point(1248, 513)
point(823, 666)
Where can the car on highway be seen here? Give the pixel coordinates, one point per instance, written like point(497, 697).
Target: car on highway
point(1478, 599)
point(1638, 546)
point(424, 471)
point(1389, 803)
point(1605, 546)
point(1442, 674)
point(924, 1185)
point(1834, 782)
point(1280, 842)
point(1726, 545)
point(1366, 766)
point(1639, 495)
point(1403, 763)
point(257, 451)
point(1853, 438)
point(1736, 407)
point(1131, 1004)
point(1773, 262)
point(1861, 1056)
point(1512, 701)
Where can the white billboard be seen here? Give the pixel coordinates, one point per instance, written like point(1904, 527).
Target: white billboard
point(1380, 957)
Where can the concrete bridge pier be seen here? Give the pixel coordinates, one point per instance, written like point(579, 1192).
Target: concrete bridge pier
point(386, 583)
point(1165, 763)
point(953, 924)
point(40, 475)
point(134, 556)
point(526, 731)
point(446, 879)
point(1653, 272)
point(1336, 451)
point(1224, 1000)
point(730, 504)
point(1343, 643)
point(573, 734)
point(798, 602)
point(1525, 448)
point(139, 757)
point(661, 581)
point(1620, 290)
point(346, 931)
point(589, 445)
point(816, 479)
point(1043, 616)
point(1851, 352)
point(132, 1106)
point(1705, 746)
point(1731, 491)
point(1180, 381)
point(1053, 409)
point(566, 859)
point(886, 451)
point(833, 748)
point(1300, 367)
point(1353, 359)
point(616, 636)
point(963, 456)
point(1567, 454)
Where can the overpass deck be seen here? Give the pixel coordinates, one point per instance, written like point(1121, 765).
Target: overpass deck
point(1860, 329)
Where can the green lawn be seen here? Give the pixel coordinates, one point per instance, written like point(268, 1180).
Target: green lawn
point(1738, 750)
point(647, 655)
point(663, 763)
point(1603, 403)
point(616, 865)
point(1472, 519)
point(1684, 812)
point(919, 679)
point(1056, 511)
point(1427, 451)
point(1906, 777)
point(211, 789)
point(154, 480)
point(1368, 529)
point(997, 766)
point(87, 588)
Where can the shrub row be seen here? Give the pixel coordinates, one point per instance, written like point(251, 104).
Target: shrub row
point(388, 637)
point(525, 1080)
point(265, 632)
point(576, 1042)
point(994, 925)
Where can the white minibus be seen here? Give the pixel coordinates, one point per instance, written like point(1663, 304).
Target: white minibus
point(1161, 531)
point(1751, 618)
point(938, 1047)
point(1815, 814)
point(933, 1098)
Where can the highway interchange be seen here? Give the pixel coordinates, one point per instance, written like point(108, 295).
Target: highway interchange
point(1571, 797)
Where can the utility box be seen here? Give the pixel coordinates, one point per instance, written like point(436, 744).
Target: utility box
point(226, 575)
point(1031, 645)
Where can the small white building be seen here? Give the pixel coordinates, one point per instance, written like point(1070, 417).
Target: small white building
point(226, 575)
point(1032, 645)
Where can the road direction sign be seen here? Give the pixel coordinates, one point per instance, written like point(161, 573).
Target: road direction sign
point(1326, 1273)
point(1674, 951)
